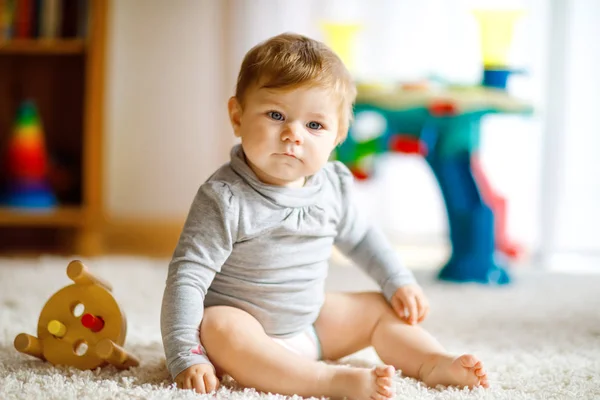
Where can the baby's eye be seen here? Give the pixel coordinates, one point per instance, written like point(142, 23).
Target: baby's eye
point(314, 125)
point(277, 116)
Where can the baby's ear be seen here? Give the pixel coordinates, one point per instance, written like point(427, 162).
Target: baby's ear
point(235, 114)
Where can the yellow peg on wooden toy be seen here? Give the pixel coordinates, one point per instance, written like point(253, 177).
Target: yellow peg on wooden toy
point(57, 328)
point(81, 325)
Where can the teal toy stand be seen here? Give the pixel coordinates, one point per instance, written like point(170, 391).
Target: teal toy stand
point(443, 126)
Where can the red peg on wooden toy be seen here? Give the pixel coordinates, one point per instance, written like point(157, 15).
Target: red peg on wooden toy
point(95, 324)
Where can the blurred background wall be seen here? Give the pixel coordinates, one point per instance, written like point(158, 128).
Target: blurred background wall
point(576, 230)
point(166, 124)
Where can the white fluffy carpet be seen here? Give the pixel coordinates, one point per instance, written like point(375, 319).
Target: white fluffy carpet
point(539, 337)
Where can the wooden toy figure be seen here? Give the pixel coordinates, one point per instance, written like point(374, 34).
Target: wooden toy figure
point(81, 325)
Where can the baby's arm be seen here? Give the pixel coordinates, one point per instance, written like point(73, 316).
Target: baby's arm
point(365, 245)
point(205, 243)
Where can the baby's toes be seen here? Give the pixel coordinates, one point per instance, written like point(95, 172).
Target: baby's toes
point(480, 372)
point(384, 381)
point(385, 391)
point(385, 386)
point(378, 396)
point(384, 371)
point(470, 361)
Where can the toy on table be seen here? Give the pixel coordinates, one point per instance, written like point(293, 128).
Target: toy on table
point(81, 325)
point(27, 162)
point(443, 126)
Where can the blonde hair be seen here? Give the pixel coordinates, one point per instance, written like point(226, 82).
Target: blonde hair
point(288, 61)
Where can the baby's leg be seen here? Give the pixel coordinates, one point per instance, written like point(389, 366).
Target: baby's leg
point(237, 344)
point(349, 322)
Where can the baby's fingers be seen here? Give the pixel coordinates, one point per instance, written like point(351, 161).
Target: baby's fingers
point(198, 383)
point(211, 383)
point(423, 306)
point(398, 306)
point(184, 382)
point(411, 305)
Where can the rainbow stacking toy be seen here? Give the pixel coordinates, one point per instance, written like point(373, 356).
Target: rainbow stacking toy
point(27, 163)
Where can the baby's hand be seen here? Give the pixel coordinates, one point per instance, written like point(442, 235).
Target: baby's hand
point(200, 377)
point(410, 304)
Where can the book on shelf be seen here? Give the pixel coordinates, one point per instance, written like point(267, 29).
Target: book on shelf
point(43, 19)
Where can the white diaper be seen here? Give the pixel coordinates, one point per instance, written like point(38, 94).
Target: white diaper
point(305, 344)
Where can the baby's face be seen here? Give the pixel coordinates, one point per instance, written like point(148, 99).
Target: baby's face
point(286, 135)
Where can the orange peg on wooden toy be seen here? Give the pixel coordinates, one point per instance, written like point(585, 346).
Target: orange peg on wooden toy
point(81, 325)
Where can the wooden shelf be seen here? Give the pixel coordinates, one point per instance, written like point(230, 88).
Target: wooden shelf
point(65, 79)
point(43, 46)
point(59, 217)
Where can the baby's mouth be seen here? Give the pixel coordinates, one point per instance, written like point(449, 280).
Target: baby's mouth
point(289, 154)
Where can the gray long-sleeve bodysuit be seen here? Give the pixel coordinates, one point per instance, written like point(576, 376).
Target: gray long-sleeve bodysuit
point(265, 249)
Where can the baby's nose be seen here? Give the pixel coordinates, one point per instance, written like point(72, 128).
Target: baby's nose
point(292, 134)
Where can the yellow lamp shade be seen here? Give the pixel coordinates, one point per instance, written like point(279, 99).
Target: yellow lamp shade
point(341, 38)
point(496, 29)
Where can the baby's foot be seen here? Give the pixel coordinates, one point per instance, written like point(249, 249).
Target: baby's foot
point(462, 371)
point(366, 384)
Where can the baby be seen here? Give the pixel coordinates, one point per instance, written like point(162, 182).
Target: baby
point(245, 289)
